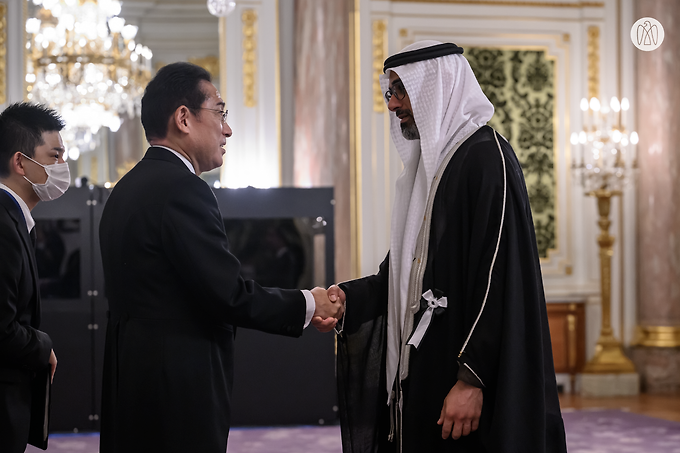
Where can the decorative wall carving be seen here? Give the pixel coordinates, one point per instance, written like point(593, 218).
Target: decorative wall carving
point(249, 20)
point(379, 27)
point(593, 61)
point(520, 84)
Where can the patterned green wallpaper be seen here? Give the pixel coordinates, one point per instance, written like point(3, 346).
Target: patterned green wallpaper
point(519, 83)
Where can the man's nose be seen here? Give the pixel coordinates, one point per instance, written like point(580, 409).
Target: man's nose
point(226, 130)
point(393, 104)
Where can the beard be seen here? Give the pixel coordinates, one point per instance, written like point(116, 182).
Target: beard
point(409, 129)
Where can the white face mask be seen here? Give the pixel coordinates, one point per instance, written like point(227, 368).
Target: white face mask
point(58, 180)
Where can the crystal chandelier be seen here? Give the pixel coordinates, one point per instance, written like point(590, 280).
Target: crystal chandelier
point(82, 60)
point(221, 8)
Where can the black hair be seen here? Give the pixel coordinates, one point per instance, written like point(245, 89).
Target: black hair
point(21, 128)
point(174, 85)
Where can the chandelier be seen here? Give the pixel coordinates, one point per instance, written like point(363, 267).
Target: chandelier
point(83, 61)
point(221, 8)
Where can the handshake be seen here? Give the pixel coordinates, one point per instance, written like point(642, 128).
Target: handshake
point(330, 307)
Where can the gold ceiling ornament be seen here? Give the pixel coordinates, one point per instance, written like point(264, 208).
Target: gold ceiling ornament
point(605, 164)
point(3, 53)
point(379, 27)
point(83, 61)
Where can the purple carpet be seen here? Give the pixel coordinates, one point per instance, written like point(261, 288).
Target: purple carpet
point(613, 431)
point(588, 431)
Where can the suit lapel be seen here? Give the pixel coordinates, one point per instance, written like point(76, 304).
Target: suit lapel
point(14, 211)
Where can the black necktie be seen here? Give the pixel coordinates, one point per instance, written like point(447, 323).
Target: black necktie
point(33, 236)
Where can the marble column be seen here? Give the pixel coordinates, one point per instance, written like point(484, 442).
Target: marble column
point(658, 112)
point(321, 143)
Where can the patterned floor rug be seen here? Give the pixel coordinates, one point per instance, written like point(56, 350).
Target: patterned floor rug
point(588, 431)
point(614, 431)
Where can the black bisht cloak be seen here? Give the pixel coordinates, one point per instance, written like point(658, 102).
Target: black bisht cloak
point(509, 348)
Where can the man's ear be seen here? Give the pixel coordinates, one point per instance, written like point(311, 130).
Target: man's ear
point(16, 164)
point(182, 118)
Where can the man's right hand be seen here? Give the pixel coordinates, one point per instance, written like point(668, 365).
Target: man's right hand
point(335, 295)
point(53, 365)
point(325, 308)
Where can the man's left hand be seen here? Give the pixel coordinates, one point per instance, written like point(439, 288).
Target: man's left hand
point(461, 411)
point(324, 325)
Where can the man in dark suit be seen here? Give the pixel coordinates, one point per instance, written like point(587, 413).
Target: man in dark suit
point(174, 289)
point(31, 169)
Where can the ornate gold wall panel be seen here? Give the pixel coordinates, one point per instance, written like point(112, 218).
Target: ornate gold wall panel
point(593, 61)
point(3, 53)
point(521, 86)
point(249, 19)
point(379, 27)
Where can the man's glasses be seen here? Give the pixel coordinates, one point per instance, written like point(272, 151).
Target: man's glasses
point(224, 114)
point(397, 91)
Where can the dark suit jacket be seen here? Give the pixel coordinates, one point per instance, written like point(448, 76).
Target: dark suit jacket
point(174, 293)
point(23, 348)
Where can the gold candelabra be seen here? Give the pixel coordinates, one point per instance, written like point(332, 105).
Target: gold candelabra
point(605, 165)
point(609, 357)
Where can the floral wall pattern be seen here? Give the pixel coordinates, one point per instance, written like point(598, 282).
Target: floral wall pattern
point(520, 85)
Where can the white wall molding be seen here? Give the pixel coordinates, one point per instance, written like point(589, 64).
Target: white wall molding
point(253, 152)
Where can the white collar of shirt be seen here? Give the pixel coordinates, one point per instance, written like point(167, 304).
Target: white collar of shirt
point(30, 223)
point(182, 158)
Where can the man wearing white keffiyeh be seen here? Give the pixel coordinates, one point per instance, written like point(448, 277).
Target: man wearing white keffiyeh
point(447, 348)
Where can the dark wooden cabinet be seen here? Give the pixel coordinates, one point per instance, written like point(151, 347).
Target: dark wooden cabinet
point(568, 336)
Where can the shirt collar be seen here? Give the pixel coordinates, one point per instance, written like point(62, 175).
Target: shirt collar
point(182, 158)
point(30, 223)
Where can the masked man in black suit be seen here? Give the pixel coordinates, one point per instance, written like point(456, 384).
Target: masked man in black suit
point(174, 289)
point(31, 169)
